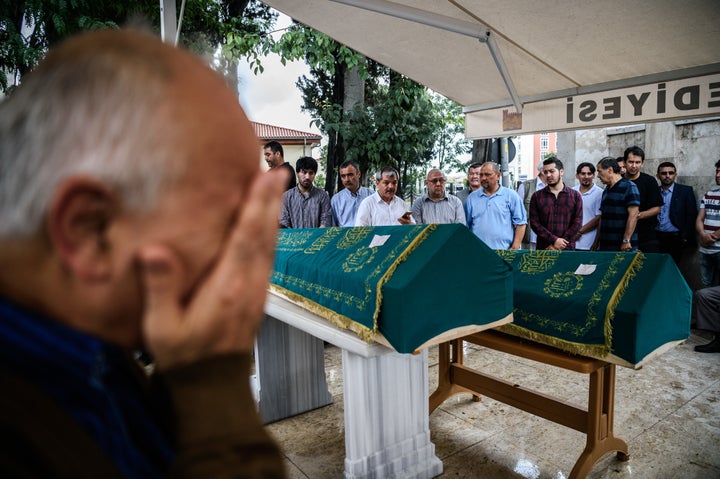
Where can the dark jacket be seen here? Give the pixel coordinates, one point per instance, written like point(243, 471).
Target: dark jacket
point(219, 433)
point(683, 211)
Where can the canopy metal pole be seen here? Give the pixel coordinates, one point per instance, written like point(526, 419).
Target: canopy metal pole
point(168, 21)
point(412, 14)
point(500, 63)
point(504, 162)
point(474, 30)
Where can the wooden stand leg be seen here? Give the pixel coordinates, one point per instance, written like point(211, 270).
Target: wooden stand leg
point(596, 422)
point(600, 437)
point(449, 354)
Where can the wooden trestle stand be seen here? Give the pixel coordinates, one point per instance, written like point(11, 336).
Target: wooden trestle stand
point(596, 422)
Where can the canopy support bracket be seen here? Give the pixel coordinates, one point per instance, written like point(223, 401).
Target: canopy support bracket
point(474, 30)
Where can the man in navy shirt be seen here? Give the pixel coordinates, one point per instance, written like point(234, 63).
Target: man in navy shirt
point(619, 209)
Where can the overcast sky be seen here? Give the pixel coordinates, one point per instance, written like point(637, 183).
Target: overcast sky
point(272, 97)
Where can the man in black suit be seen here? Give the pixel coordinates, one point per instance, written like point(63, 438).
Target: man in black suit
point(676, 224)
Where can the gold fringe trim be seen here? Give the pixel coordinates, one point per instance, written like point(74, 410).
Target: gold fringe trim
point(568, 346)
point(391, 270)
point(635, 266)
point(341, 321)
point(593, 350)
point(365, 333)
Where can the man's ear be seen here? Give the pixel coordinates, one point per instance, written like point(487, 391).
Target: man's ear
point(80, 214)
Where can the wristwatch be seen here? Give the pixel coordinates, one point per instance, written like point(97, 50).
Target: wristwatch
point(625, 241)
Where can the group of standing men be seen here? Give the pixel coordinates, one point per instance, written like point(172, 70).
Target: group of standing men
point(307, 206)
point(632, 212)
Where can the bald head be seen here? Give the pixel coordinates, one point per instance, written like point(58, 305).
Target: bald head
point(116, 143)
point(98, 105)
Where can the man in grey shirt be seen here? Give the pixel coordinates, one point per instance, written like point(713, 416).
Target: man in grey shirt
point(305, 206)
point(436, 206)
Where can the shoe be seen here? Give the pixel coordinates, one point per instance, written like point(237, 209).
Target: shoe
point(711, 347)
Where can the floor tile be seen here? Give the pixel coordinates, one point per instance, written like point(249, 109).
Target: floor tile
point(668, 412)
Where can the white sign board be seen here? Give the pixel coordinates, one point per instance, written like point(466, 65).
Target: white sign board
point(662, 101)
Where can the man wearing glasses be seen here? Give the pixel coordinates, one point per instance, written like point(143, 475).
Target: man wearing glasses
point(676, 221)
point(436, 206)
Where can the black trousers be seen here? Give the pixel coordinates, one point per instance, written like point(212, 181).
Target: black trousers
point(672, 244)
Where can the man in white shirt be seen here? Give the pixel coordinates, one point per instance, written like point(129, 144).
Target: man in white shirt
point(383, 208)
point(591, 198)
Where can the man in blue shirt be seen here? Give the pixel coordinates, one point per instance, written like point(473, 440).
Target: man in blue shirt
point(345, 202)
point(619, 209)
point(495, 213)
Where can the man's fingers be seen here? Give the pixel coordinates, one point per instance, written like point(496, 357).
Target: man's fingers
point(251, 249)
point(255, 233)
point(162, 280)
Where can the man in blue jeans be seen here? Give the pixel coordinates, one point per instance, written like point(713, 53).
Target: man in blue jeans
point(707, 226)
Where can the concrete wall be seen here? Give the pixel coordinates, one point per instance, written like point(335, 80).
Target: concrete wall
point(692, 145)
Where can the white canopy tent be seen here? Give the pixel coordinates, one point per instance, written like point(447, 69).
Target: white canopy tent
point(520, 67)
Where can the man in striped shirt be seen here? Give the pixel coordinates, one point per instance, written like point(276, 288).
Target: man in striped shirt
point(708, 229)
point(436, 206)
point(619, 209)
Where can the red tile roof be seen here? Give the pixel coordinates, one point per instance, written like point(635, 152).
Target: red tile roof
point(270, 132)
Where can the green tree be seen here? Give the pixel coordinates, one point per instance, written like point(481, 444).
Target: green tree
point(450, 143)
point(325, 90)
point(396, 127)
point(392, 122)
point(28, 28)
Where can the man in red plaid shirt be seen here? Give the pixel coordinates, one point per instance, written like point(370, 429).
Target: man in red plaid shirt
point(556, 210)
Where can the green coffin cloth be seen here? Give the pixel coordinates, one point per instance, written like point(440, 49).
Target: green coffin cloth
point(629, 306)
point(418, 283)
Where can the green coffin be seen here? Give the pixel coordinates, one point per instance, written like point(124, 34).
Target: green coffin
point(409, 283)
point(622, 308)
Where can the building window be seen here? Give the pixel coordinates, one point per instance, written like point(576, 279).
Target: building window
point(544, 143)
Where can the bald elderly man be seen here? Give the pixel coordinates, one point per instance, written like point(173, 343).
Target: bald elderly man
point(133, 216)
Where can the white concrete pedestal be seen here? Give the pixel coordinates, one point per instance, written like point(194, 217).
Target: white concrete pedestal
point(386, 417)
point(387, 424)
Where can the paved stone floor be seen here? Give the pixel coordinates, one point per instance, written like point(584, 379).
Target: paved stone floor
point(668, 412)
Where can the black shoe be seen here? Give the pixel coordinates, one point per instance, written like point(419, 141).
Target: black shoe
point(711, 347)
